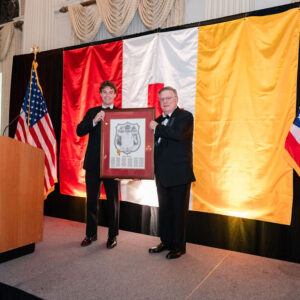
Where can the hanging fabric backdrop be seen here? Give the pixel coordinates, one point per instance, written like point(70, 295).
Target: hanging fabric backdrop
point(238, 78)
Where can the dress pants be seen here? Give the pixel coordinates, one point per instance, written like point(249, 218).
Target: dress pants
point(172, 216)
point(93, 183)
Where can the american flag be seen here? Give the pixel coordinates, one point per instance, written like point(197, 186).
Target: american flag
point(38, 131)
point(292, 143)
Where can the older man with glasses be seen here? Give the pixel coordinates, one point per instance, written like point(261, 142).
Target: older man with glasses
point(173, 167)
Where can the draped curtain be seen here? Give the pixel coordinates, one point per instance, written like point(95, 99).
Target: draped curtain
point(6, 35)
point(10, 45)
point(117, 15)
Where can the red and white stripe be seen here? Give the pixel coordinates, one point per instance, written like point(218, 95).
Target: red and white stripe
point(292, 144)
point(41, 135)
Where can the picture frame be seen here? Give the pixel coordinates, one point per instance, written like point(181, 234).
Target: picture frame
point(127, 144)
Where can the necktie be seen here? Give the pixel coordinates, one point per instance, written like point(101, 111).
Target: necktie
point(166, 117)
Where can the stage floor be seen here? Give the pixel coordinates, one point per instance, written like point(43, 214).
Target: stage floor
point(61, 269)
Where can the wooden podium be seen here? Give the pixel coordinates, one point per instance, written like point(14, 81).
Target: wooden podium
point(21, 194)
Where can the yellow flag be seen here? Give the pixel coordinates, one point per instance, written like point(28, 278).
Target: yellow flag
point(245, 105)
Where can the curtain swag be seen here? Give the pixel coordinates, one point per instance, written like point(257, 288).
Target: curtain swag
point(118, 14)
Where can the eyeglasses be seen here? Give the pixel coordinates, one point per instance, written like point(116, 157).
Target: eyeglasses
point(166, 98)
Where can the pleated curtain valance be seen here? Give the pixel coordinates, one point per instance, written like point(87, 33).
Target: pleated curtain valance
point(118, 14)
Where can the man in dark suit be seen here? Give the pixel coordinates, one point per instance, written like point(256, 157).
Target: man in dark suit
point(173, 167)
point(91, 124)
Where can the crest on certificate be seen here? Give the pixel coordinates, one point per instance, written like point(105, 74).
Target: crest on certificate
point(127, 138)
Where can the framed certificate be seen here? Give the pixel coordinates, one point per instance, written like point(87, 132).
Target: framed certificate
point(127, 144)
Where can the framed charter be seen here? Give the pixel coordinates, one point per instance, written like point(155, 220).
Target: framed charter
point(127, 144)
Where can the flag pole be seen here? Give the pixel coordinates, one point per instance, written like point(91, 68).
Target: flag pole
point(35, 50)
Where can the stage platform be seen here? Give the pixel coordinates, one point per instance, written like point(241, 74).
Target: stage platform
point(60, 269)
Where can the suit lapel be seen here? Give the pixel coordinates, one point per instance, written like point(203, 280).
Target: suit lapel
point(172, 118)
point(171, 121)
point(163, 142)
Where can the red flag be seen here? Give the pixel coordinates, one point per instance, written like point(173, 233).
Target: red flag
point(35, 128)
point(153, 99)
point(84, 70)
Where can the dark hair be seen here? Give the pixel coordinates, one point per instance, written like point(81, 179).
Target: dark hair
point(109, 83)
point(168, 88)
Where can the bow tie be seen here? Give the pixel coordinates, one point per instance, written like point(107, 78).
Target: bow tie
point(166, 117)
point(106, 108)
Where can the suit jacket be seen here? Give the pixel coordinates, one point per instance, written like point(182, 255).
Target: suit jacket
point(173, 155)
point(92, 154)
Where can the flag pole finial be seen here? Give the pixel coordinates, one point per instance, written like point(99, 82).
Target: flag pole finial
point(35, 50)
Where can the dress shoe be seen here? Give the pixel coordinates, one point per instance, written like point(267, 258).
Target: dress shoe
point(111, 243)
point(159, 248)
point(88, 240)
point(175, 254)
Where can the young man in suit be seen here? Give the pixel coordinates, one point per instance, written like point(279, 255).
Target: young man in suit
point(173, 168)
point(91, 125)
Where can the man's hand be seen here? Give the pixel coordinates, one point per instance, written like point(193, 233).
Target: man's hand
point(99, 117)
point(153, 124)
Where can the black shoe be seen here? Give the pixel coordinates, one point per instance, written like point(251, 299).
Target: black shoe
point(88, 240)
point(111, 243)
point(159, 248)
point(175, 254)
